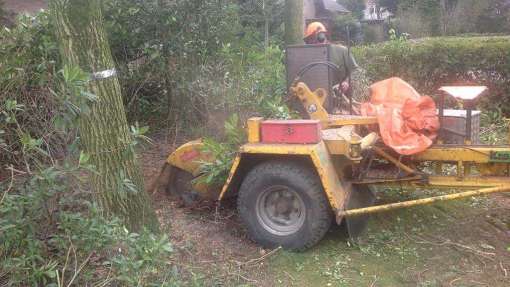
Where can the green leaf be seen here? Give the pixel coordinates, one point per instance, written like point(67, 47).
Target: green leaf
point(84, 158)
point(12, 105)
point(51, 273)
point(89, 96)
point(74, 75)
point(168, 247)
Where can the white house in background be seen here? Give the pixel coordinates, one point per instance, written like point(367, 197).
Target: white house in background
point(316, 9)
point(323, 10)
point(373, 12)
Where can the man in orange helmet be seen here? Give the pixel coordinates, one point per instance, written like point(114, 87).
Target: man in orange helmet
point(316, 33)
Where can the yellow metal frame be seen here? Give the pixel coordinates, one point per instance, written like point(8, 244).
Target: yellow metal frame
point(410, 203)
point(313, 104)
point(231, 175)
point(454, 153)
point(320, 157)
point(337, 142)
point(467, 182)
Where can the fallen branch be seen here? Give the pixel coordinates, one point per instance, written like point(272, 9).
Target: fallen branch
point(80, 269)
point(260, 259)
point(468, 248)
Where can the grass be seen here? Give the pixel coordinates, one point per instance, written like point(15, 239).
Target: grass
point(393, 252)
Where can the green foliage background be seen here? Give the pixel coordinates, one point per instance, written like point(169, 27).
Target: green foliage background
point(424, 18)
point(28, 75)
point(430, 63)
point(188, 61)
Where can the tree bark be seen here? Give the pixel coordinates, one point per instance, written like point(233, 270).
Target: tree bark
point(267, 15)
point(294, 22)
point(104, 133)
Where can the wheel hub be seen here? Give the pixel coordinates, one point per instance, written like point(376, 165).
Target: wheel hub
point(280, 210)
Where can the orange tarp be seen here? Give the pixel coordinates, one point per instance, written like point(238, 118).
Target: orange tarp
point(408, 122)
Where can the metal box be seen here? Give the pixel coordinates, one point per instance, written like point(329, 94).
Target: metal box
point(455, 120)
point(291, 131)
point(321, 76)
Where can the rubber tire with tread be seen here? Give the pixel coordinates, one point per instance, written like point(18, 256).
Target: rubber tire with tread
point(302, 179)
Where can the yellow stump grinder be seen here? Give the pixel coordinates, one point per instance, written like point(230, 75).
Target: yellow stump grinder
point(293, 178)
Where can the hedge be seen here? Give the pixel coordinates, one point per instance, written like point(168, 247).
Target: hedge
point(430, 63)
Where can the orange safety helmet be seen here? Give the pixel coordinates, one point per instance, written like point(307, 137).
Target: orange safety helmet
point(314, 28)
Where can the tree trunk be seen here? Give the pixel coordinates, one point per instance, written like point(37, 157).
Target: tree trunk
point(267, 14)
point(294, 22)
point(444, 16)
point(104, 134)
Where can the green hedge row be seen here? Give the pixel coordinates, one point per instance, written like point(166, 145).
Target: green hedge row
point(430, 63)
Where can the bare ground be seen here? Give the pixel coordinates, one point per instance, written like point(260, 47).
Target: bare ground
point(211, 245)
point(463, 243)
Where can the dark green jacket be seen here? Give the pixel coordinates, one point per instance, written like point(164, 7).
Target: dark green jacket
point(339, 55)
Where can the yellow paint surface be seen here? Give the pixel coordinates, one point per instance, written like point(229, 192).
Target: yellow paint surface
point(188, 156)
point(313, 104)
point(477, 154)
point(254, 129)
point(320, 157)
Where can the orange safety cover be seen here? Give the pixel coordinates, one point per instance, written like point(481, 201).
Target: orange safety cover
point(408, 122)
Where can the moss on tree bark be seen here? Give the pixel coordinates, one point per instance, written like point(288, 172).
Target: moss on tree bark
point(104, 133)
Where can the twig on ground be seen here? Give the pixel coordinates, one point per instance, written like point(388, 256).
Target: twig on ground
point(503, 269)
point(242, 277)
point(65, 264)
point(468, 248)
point(480, 283)
point(288, 275)
point(260, 259)
point(373, 283)
point(9, 187)
point(80, 269)
point(420, 274)
point(217, 212)
point(104, 283)
point(454, 280)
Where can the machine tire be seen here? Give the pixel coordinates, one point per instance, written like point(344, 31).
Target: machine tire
point(305, 187)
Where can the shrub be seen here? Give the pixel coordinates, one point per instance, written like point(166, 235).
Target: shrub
point(28, 57)
point(2, 12)
point(430, 63)
point(52, 235)
point(165, 50)
point(193, 63)
point(182, 61)
point(50, 232)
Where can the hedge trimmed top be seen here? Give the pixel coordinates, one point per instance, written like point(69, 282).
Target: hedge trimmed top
point(430, 63)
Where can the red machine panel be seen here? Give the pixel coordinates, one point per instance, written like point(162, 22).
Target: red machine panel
point(290, 131)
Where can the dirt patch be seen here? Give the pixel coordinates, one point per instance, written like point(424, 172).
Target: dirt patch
point(211, 245)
